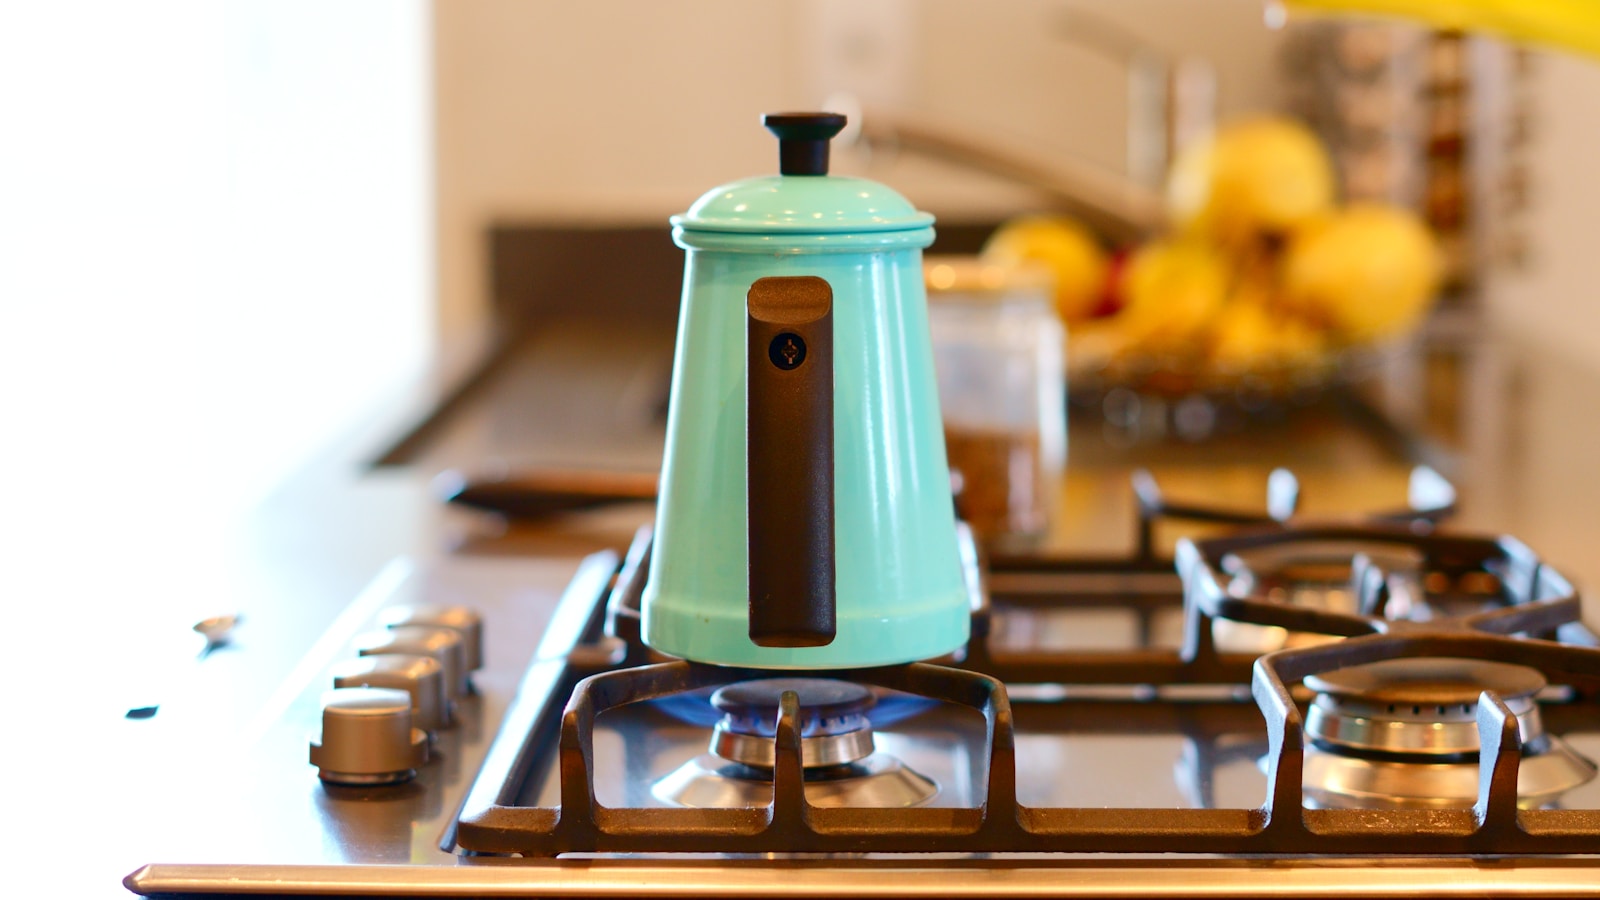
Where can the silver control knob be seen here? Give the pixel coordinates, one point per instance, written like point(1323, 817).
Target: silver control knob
point(419, 676)
point(367, 738)
point(462, 619)
point(442, 644)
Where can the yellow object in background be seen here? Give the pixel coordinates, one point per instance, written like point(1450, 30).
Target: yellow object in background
point(1368, 272)
point(1064, 246)
point(1568, 24)
point(1265, 276)
point(1174, 290)
point(1252, 177)
point(1247, 337)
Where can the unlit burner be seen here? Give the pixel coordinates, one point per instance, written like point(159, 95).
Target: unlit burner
point(836, 751)
point(1404, 734)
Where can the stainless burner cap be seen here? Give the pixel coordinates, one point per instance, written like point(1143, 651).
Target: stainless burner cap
point(1404, 734)
point(836, 751)
point(833, 723)
point(1429, 681)
point(1419, 706)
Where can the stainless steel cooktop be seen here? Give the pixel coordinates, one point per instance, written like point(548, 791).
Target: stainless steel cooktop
point(1113, 727)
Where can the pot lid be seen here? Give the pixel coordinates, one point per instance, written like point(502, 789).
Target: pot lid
point(804, 199)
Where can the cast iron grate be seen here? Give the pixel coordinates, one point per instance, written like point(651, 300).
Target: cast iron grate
point(1535, 624)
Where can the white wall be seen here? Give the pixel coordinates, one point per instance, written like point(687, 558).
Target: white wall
point(620, 110)
point(1556, 299)
point(582, 111)
point(215, 254)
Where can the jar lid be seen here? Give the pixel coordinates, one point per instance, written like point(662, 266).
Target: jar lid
point(804, 199)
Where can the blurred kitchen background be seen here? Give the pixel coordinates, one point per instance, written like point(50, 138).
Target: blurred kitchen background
point(242, 237)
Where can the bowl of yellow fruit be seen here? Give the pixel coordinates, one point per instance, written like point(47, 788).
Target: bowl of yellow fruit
point(1263, 282)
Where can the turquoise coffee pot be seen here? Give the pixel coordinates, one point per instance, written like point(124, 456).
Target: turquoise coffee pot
point(805, 518)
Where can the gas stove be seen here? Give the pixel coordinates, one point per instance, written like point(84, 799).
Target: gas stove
point(1383, 706)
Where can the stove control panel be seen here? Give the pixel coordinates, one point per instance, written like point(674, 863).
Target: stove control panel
point(442, 644)
point(420, 677)
point(460, 619)
point(389, 704)
point(367, 738)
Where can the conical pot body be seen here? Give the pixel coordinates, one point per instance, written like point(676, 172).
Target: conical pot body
point(899, 586)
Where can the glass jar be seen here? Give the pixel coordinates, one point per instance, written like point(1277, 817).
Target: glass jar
point(1000, 363)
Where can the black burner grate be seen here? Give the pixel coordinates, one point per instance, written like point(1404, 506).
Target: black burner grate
point(1532, 622)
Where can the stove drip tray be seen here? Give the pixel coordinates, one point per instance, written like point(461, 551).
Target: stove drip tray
point(840, 765)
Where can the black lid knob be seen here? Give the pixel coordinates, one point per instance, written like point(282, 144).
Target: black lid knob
point(803, 140)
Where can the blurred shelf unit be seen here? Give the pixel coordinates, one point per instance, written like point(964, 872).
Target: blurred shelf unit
point(1438, 122)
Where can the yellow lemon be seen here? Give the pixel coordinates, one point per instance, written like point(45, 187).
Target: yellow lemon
point(1250, 177)
point(1368, 271)
point(1073, 256)
point(1248, 338)
point(1174, 289)
point(1241, 338)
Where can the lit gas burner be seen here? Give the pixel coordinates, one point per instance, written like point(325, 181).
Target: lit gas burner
point(836, 750)
point(1404, 734)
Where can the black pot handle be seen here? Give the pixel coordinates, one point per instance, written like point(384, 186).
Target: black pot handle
point(789, 462)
